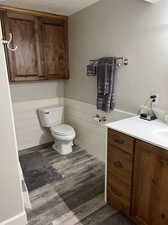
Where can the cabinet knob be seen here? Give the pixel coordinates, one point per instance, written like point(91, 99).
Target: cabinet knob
point(61, 59)
point(118, 164)
point(163, 216)
point(119, 141)
point(155, 180)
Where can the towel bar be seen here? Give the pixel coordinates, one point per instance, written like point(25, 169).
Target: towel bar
point(120, 61)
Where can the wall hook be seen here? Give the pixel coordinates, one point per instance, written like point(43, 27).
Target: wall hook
point(8, 43)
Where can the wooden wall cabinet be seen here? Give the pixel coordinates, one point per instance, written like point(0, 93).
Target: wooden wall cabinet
point(42, 52)
point(54, 47)
point(137, 179)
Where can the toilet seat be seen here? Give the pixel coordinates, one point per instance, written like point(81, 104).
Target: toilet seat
point(63, 130)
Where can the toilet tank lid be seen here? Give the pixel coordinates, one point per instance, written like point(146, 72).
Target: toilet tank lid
point(49, 108)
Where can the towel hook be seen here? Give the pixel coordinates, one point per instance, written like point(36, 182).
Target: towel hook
point(8, 43)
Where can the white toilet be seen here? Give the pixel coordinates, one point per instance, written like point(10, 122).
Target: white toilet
point(53, 118)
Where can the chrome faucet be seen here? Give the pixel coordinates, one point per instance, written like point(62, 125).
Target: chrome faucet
point(149, 115)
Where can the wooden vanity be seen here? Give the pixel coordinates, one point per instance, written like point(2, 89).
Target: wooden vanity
point(137, 179)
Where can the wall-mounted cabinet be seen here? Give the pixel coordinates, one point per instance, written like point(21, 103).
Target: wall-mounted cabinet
point(54, 48)
point(42, 41)
point(137, 179)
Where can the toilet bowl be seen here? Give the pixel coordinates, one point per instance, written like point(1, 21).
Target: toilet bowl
point(63, 134)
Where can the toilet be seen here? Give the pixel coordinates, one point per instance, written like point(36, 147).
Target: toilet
point(63, 134)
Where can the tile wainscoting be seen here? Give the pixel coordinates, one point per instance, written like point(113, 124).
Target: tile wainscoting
point(28, 130)
point(90, 134)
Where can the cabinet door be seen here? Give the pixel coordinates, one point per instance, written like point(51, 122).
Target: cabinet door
point(55, 48)
point(150, 185)
point(24, 63)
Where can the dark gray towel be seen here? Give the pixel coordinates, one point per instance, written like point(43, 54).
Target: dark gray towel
point(92, 69)
point(106, 79)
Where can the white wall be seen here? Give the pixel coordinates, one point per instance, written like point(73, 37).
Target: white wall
point(28, 129)
point(11, 205)
point(38, 90)
point(26, 99)
point(90, 134)
point(131, 28)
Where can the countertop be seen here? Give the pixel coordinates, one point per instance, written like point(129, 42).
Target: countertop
point(154, 132)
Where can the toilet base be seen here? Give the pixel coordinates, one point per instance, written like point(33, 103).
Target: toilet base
point(63, 148)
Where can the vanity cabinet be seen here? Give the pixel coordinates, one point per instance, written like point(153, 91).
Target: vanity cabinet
point(137, 179)
point(42, 52)
point(150, 185)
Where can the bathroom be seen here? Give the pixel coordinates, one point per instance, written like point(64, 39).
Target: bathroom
point(80, 192)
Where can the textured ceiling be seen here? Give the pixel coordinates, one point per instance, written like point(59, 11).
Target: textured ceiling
point(64, 7)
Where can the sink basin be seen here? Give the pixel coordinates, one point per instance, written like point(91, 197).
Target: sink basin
point(161, 134)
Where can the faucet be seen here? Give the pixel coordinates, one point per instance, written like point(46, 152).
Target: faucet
point(150, 115)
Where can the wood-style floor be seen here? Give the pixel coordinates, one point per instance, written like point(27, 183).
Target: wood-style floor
point(77, 198)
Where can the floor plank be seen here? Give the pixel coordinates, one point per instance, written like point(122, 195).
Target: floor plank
point(98, 216)
point(81, 212)
point(77, 198)
point(117, 219)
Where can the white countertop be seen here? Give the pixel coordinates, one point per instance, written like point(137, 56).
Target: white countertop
point(154, 132)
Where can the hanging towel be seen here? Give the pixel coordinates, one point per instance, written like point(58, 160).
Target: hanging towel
point(106, 79)
point(92, 69)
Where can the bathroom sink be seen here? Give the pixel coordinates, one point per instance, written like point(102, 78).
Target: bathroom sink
point(162, 134)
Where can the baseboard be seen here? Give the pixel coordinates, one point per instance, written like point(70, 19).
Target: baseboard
point(20, 219)
point(35, 148)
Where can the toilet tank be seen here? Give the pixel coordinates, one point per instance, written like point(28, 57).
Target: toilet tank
point(51, 116)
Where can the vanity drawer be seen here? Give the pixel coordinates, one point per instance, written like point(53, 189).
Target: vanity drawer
point(122, 141)
point(119, 202)
point(119, 176)
point(119, 163)
point(119, 187)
